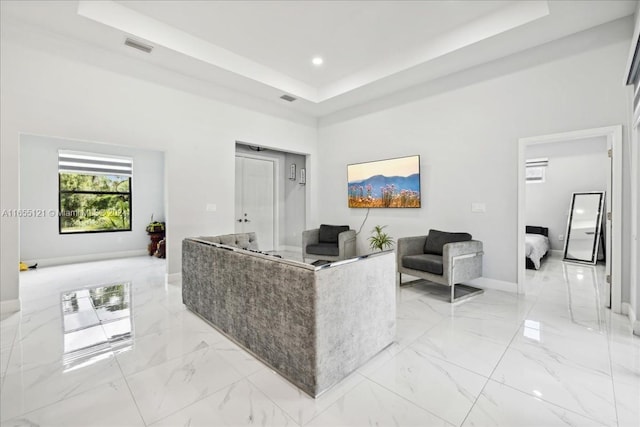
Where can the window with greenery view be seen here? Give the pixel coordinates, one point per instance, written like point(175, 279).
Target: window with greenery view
point(94, 193)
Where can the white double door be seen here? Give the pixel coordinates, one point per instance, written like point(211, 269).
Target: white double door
point(255, 200)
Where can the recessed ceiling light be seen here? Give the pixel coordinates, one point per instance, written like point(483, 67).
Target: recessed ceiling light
point(317, 61)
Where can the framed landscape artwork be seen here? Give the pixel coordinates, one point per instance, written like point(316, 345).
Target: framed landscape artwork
point(392, 183)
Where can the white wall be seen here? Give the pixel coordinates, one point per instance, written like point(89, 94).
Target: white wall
point(467, 138)
point(45, 94)
point(40, 240)
point(634, 160)
point(573, 166)
point(294, 202)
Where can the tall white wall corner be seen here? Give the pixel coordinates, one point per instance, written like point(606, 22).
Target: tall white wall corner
point(10, 306)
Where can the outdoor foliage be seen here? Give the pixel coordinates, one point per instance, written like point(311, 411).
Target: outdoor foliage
point(111, 298)
point(94, 203)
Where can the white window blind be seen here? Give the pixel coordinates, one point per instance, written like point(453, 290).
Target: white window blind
point(94, 164)
point(535, 169)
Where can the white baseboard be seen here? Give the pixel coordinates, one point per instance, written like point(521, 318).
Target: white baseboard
point(86, 258)
point(498, 285)
point(557, 253)
point(10, 306)
point(625, 309)
point(633, 318)
point(291, 248)
point(174, 279)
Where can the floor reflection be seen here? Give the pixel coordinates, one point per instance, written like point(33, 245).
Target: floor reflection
point(583, 295)
point(96, 322)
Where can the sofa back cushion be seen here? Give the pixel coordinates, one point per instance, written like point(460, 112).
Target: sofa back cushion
point(329, 233)
point(437, 239)
point(238, 240)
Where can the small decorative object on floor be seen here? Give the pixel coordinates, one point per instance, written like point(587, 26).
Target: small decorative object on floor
point(25, 267)
point(380, 240)
point(156, 232)
point(161, 252)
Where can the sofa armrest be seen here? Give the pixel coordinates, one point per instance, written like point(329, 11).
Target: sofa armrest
point(462, 261)
point(408, 246)
point(310, 237)
point(347, 243)
point(450, 250)
point(411, 245)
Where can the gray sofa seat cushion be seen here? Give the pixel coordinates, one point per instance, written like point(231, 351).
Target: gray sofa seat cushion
point(329, 233)
point(437, 239)
point(330, 249)
point(424, 262)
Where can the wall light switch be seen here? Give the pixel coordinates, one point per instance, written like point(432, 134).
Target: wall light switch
point(211, 207)
point(478, 207)
point(561, 237)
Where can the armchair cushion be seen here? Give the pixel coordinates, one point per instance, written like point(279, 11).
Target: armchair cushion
point(329, 233)
point(330, 249)
point(437, 239)
point(425, 262)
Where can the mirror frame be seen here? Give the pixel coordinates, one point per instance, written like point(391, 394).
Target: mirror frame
point(596, 237)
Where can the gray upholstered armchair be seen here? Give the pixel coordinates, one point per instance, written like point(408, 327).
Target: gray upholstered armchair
point(329, 242)
point(444, 258)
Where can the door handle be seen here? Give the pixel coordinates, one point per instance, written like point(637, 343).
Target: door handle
point(240, 220)
point(247, 220)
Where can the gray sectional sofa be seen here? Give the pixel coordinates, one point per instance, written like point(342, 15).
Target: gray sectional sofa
point(314, 325)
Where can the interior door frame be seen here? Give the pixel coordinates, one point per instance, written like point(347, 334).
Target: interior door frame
point(276, 193)
point(613, 135)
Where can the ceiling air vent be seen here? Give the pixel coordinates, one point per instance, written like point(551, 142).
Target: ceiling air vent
point(138, 45)
point(288, 98)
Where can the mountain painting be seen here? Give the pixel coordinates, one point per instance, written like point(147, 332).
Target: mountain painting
point(393, 183)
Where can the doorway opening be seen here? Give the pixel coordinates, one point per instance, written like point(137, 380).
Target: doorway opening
point(270, 196)
point(42, 189)
point(611, 138)
point(255, 197)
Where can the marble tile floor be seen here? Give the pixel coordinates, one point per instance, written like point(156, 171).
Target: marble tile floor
point(130, 354)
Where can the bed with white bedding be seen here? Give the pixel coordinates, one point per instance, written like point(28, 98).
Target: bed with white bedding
point(536, 245)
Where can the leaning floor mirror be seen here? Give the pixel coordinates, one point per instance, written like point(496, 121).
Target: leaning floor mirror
point(584, 227)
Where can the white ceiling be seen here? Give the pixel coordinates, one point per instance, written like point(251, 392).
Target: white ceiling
point(351, 36)
point(263, 49)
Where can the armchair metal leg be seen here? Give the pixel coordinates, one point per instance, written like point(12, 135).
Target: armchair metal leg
point(464, 292)
point(409, 283)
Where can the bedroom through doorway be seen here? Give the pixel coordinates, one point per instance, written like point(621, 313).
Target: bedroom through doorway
point(552, 168)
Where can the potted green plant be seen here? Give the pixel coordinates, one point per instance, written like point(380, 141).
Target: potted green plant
point(155, 226)
point(380, 240)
